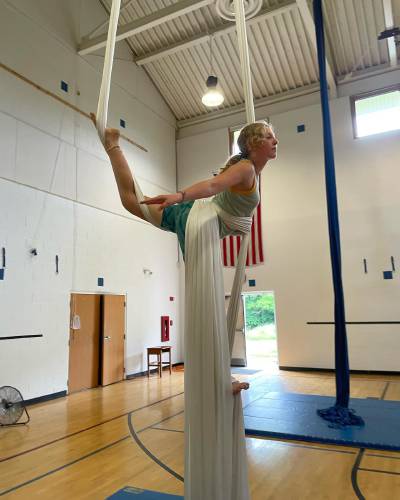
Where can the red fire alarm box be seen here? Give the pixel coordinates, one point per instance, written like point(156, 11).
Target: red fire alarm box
point(164, 328)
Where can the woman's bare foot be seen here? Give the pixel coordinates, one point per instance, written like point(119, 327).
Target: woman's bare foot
point(111, 138)
point(111, 135)
point(237, 387)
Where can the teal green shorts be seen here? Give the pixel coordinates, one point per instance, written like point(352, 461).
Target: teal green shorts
point(174, 219)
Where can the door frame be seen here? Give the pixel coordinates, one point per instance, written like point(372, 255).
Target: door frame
point(260, 292)
point(83, 292)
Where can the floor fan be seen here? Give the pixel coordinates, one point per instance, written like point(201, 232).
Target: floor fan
point(12, 406)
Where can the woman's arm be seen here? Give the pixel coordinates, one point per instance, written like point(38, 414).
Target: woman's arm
point(240, 173)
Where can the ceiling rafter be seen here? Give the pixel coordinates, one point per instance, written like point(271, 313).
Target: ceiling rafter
point(258, 103)
point(205, 36)
point(281, 41)
point(145, 23)
point(102, 25)
point(129, 44)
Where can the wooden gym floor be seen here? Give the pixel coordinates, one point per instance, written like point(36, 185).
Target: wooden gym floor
point(90, 444)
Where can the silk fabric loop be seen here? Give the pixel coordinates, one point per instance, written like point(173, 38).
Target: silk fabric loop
point(215, 450)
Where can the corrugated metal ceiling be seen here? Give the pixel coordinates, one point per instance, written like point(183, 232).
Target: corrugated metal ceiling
point(282, 52)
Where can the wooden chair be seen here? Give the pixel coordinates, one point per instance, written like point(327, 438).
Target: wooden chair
point(158, 351)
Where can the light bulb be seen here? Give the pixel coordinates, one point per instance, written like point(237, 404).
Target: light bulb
point(213, 97)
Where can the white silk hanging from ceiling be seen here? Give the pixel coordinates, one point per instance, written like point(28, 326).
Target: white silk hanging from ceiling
point(215, 455)
point(104, 96)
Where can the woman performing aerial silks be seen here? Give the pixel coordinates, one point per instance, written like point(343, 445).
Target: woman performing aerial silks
point(215, 457)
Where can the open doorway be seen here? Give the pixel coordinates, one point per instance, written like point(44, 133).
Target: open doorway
point(260, 330)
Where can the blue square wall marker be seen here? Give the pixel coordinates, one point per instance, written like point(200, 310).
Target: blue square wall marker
point(387, 275)
point(301, 128)
point(122, 123)
point(64, 86)
point(1, 274)
point(252, 282)
point(100, 281)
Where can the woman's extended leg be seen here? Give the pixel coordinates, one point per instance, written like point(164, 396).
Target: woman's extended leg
point(123, 176)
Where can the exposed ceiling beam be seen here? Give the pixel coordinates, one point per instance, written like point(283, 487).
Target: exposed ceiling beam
point(104, 23)
point(310, 28)
point(159, 17)
point(389, 23)
point(258, 103)
point(360, 74)
point(205, 36)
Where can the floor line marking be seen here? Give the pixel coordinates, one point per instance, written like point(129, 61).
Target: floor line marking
point(89, 428)
point(83, 457)
point(354, 479)
point(57, 469)
point(148, 452)
point(380, 471)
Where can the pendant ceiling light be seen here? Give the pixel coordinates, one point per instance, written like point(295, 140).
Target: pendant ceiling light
point(213, 96)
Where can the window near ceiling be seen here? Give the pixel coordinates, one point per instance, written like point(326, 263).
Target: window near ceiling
point(233, 147)
point(376, 112)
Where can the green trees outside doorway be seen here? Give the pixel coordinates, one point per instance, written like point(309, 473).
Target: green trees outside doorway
point(260, 330)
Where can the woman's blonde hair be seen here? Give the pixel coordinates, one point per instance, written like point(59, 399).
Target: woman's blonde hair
point(249, 138)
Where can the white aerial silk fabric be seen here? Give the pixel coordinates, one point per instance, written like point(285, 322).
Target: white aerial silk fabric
point(215, 452)
point(242, 224)
point(104, 96)
point(240, 20)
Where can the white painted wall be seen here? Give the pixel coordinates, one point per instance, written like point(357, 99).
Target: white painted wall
point(58, 194)
point(296, 246)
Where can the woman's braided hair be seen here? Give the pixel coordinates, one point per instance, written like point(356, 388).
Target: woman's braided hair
point(249, 138)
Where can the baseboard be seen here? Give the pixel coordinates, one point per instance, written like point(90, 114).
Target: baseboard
point(61, 394)
point(46, 397)
point(152, 370)
point(331, 370)
point(140, 374)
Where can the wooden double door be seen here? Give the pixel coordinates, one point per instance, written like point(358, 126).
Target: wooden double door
point(96, 341)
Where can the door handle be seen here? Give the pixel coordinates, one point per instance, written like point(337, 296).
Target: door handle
point(107, 337)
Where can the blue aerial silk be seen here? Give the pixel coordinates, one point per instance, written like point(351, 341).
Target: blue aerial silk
point(340, 414)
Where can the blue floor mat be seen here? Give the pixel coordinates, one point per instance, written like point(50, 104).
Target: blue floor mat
point(132, 493)
point(294, 416)
point(243, 370)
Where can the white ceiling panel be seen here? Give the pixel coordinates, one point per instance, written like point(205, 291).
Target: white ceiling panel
point(176, 53)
